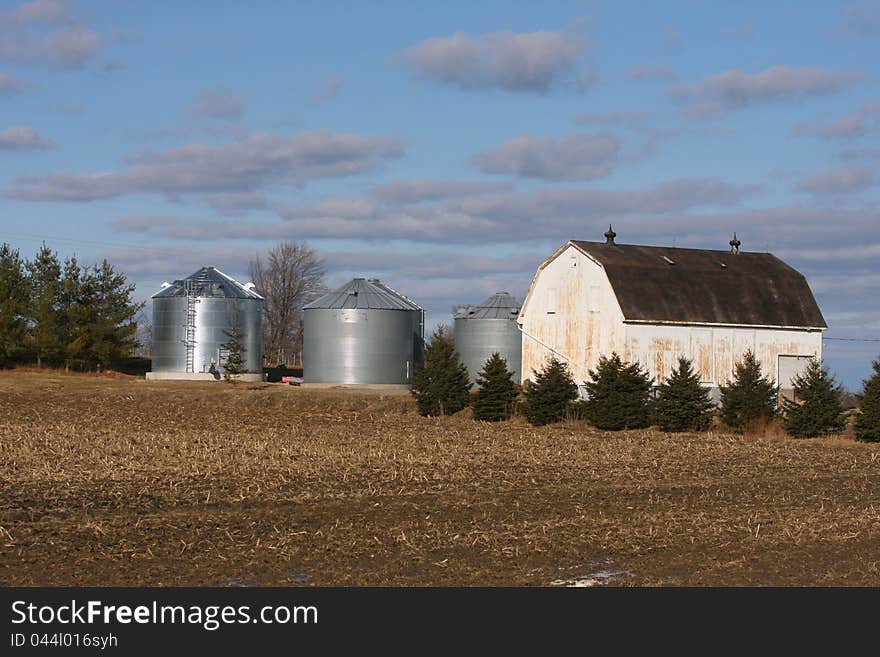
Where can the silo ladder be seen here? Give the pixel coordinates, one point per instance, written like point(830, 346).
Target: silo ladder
point(189, 339)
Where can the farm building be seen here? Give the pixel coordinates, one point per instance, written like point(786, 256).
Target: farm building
point(486, 328)
point(192, 318)
point(362, 333)
point(653, 304)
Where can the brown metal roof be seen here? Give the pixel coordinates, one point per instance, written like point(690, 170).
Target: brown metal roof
point(701, 286)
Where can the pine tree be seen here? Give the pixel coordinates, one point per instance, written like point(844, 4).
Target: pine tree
point(234, 349)
point(683, 404)
point(71, 314)
point(114, 327)
point(549, 396)
point(750, 395)
point(95, 316)
point(618, 395)
point(44, 335)
point(441, 385)
point(13, 303)
point(818, 408)
point(868, 422)
point(496, 392)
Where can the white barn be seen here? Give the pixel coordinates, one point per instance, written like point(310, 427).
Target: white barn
point(653, 304)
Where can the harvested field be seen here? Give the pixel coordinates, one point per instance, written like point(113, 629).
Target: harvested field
point(118, 481)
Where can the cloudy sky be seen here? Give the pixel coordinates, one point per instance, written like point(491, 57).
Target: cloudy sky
point(448, 148)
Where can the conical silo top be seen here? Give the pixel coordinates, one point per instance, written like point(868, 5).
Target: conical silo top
point(208, 282)
point(501, 305)
point(365, 294)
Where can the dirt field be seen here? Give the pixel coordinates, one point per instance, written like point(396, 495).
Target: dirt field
point(118, 481)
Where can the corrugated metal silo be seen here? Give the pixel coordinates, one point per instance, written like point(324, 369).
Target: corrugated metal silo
point(488, 327)
point(190, 320)
point(362, 333)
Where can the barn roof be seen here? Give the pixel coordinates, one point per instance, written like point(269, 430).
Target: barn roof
point(701, 286)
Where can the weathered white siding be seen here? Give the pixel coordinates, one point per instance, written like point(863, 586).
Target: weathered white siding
point(715, 350)
point(571, 311)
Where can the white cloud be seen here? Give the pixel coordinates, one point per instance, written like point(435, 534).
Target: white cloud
point(255, 162)
point(519, 62)
point(417, 191)
point(572, 157)
point(40, 11)
point(22, 137)
point(840, 180)
point(66, 44)
point(735, 89)
point(546, 214)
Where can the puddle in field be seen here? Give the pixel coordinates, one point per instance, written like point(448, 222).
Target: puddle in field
point(594, 563)
point(231, 581)
point(598, 578)
point(297, 576)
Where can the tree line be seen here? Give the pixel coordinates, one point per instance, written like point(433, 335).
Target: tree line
point(64, 313)
point(622, 395)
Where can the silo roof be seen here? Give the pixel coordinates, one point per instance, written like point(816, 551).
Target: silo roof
point(208, 282)
point(364, 293)
point(501, 305)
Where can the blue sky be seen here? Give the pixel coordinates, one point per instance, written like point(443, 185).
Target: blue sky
point(448, 148)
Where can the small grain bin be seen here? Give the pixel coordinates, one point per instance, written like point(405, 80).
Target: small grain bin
point(362, 333)
point(488, 327)
point(191, 318)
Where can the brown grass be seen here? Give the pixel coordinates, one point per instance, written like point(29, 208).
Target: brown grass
point(766, 429)
point(110, 481)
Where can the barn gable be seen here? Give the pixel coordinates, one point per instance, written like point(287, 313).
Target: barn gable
point(699, 286)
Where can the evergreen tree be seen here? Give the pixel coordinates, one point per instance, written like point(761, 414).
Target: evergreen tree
point(70, 313)
point(868, 422)
point(683, 404)
point(44, 335)
point(817, 409)
point(95, 315)
point(618, 395)
point(496, 391)
point(234, 350)
point(13, 303)
point(441, 385)
point(114, 327)
point(549, 396)
point(749, 396)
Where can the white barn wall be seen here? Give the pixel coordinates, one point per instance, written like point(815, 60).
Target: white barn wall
point(571, 311)
point(714, 350)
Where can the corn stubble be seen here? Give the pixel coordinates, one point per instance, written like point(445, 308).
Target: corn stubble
point(117, 481)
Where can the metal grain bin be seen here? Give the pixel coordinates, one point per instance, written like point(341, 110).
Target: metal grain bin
point(488, 327)
point(191, 317)
point(362, 333)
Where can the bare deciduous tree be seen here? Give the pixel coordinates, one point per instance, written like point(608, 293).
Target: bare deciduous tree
point(144, 335)
point(288, 276)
